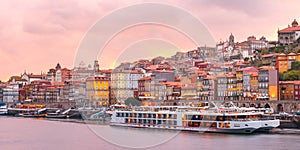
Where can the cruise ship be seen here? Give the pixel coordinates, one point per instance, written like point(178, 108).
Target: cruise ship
point(203, 119)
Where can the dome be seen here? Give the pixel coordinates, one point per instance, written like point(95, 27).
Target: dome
point(294, 23)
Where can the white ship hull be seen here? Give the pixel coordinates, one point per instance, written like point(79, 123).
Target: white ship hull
point(200, 121)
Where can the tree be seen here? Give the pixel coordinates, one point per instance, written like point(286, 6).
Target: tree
point(291, 75)
point(295, 65)
point(246, 58)
point(264, 51)
point(133, 101)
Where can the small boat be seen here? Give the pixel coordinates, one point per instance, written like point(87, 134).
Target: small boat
point(94, 114)
point(3, 108)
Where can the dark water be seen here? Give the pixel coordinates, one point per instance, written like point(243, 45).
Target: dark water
point(34, 134)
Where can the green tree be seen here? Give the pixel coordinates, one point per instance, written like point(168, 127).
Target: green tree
point(291, 75)
point(264, 51)
point(295, 65)
point(133, 101)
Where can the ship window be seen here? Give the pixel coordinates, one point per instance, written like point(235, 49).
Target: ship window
point(164, 116)
point(214, 124)
point(219, 118)
point(221, 125)
point(158, 121)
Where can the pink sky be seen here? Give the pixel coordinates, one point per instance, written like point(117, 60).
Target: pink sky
point(35, 35)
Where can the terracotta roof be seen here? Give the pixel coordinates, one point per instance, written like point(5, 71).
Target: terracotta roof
point(289, 29)
point(269, 55)
point(58, 83)
point(296, 82)
point(240, 64)
point(35, 76)
point(286, 82)
point(106, 71)
point(255, 74)
point(245, 43)
point(145, 78)
point(267, 68)
point(177, 84)
point(97, 78)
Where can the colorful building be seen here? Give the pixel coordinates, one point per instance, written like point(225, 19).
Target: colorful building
point(222, 92)
point(232, 86)
point(253, 85)
point(239, 84)
point(268, 83)
point(124, 83)
point(284, 61)
point(97, 91)
point(297, 90)
point(290, 34)
point(286, 90)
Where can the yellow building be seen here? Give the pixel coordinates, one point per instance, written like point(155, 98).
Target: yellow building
point(97, 90)
point(253, 85)
point(239, 84)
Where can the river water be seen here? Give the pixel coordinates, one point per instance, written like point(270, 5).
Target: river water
point(35, 134)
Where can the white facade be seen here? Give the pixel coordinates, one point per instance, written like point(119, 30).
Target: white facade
point(11, 93)
point(123, 84)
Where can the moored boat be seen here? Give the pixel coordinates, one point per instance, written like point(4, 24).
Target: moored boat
point(214, 119)
point(3, 108)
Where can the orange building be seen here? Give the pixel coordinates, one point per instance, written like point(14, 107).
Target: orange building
point(286, 90)
point(281, 63)
point(284, 61)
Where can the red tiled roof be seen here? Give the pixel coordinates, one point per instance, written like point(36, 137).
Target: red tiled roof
point(245, 43)
point(289, 29)
point(267, 68)
point(106, 71)
point(297, 82)
point(177, 84)
point(35, 76)
point(96, 78)
point(269, 55)
point(145, 78)
point(255, 74)
point(286, 82)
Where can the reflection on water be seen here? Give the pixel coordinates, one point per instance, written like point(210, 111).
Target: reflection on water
point(33, 134)
point(133, 137)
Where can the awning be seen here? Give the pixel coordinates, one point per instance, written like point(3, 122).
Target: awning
point(151, 97)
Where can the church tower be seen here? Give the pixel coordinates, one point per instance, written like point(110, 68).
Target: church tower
point(294, 23)
point(96, 66)
point(58, 66)
point(231, 39)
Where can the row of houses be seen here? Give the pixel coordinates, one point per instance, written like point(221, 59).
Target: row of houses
point(151, 83)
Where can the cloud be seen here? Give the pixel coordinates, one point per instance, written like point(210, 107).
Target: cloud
point(35, 35)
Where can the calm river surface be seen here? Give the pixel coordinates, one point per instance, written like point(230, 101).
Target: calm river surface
point(34, 134)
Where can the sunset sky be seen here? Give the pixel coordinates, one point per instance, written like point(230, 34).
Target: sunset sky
point(35, 35)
